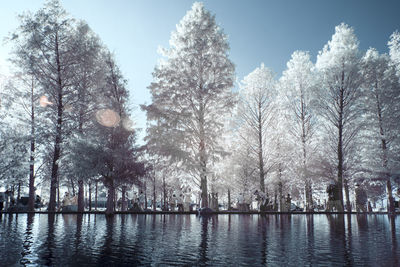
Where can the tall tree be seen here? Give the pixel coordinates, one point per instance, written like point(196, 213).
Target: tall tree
point(88, 85)
point(338, 64)
point(383, 97)
point(191, 93)
point(255, 112)
point(45, 50)
point(109, 151)
point(298, 82)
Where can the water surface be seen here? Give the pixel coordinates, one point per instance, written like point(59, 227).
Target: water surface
point(220, 240)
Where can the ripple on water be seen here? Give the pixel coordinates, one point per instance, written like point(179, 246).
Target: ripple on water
point(224, 240)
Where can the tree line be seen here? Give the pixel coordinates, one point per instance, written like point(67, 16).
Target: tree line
point(332, 120)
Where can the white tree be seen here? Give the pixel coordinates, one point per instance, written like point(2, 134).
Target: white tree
point(191, 93)
point(255, 112)
point(338, 64)
point(394, 50)
point(44, 49)
point(382, 101)
point(298, 83)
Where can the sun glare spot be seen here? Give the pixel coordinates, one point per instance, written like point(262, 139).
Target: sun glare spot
point(107, 117)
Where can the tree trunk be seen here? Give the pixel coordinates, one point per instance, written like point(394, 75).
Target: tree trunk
point(229, 199)
point(340, 142)
point(90, 196)
point(58, 136)
point(31, 201)
point(110, 198)
point(115, 199)
point(81, 201)
point(58, 192)
point(165, 194)
point(347, 193)
point(260, 149)
point(123, 204)
point(145, 195)
point(154, 193)
point(95, 197)
point(203, 158)
point(308, 193)
point(19, 191)
point(280, 192)
point(54, 172)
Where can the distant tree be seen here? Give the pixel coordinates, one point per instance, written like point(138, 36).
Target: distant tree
point(338, 64)
point(191, 93)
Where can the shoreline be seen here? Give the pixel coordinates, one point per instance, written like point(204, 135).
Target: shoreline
point(197, 213)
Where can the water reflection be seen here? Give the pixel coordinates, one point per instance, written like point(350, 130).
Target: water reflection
point(27, 245)
point(395, 250)
point(223, 240)
point(204, 241)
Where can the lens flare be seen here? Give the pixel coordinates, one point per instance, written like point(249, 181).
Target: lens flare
point(107, 117)
point(44, 101)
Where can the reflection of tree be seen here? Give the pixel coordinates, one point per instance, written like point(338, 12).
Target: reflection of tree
point(340, 243)
point(122, 233)
point(262, 222)
point(348, 243)
point(362, 223)
point(27, 245)
point(395, 250)
point(78, 233)
point(310, 237)
point(203, 259)
point(49, 244)
point(106, 250)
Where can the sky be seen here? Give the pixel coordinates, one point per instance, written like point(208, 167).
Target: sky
point(259, 31)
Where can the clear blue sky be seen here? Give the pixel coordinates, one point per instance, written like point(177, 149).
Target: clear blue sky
point(259, 31)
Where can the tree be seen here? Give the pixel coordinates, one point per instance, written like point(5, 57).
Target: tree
point(382, 91)
point(394, 50)
point(88, 85)
point(298, 83)
point(120, 157)
point(21, 94)
point(255, 112)
point(191, 94)
point(338, 64)
point(44, 48)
